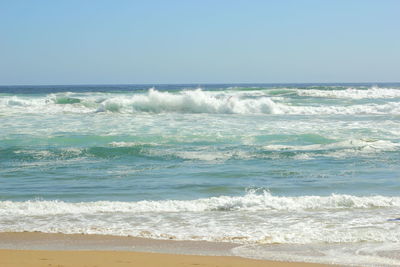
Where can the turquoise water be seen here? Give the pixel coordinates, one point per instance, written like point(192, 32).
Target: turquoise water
point(257, 165)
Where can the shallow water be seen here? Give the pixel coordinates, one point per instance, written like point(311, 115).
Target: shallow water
point(315, 165)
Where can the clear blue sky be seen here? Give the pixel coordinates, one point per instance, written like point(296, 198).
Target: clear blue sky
point(207, 41)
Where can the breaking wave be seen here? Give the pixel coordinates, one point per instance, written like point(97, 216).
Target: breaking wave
point(249, 219)
point(250, 202)
point(195, 101)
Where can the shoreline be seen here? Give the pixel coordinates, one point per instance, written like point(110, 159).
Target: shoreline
point(34, 249)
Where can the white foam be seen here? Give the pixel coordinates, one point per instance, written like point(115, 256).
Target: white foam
point(352, 93)
point(194, 101)
point(358, 254)
point(251, 219)
point(199, 101)
point(131, 144)
point(360, 145)
point(37, 104)
point(249, 202)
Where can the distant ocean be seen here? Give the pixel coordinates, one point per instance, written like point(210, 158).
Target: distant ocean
point(302, 172)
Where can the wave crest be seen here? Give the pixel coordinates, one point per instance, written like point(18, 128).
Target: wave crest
point(249, 202)
point(194, 101)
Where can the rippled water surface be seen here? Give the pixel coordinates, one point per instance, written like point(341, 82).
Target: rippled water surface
point(310, 165)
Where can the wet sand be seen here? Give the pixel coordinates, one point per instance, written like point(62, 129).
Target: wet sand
point(42, 258)
point(38, 249)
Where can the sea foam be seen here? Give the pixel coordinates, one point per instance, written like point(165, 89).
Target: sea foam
point(352, 93)
point(250, 219)
point(249, 202)
point(195, 101)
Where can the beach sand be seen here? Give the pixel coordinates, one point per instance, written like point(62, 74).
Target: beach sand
point(36, 258)
point(58, 250)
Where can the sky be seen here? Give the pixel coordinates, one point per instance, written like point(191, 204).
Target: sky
point(207, 41)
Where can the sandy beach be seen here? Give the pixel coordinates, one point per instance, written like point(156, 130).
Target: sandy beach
point(94, 250)
point(39, 258)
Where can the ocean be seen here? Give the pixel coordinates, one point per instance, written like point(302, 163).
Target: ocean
point(302, 172)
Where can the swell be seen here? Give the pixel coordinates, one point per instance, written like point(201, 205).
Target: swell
point(105, 152)
point(211, 152)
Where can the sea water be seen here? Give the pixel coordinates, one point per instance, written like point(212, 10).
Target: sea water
point(301, 172)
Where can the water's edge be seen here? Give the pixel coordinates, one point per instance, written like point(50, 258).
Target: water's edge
point(84, 242)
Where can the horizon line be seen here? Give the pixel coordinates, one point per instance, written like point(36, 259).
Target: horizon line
point(193, 83)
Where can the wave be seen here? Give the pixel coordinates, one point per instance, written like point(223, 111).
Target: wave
point(195, 101)
point(305, 228)
point(214, 153)
point(249, 219)
point(364, 145)
point(250, 202)
point(352, 93)
point(106, 152)
point(124, 150)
